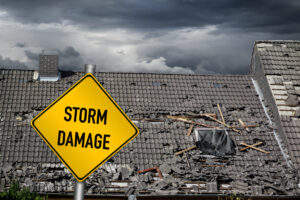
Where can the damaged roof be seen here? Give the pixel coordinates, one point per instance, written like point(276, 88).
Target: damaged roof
point(148, 99)
point(258, 111)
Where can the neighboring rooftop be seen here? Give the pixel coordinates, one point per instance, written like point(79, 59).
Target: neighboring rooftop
point(277, 65)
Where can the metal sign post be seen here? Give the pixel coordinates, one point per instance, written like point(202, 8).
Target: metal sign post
point(79, 190)
point(79, 186)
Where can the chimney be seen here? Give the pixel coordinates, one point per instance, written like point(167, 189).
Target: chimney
point(89, 68)
point(48, 68)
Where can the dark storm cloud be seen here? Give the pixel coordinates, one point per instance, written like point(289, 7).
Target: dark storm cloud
point(9, 63)
point(31, 56)
point(275, 16)
point(69, 58)
point(20, 45)
point(226, 48)
point(226, 55)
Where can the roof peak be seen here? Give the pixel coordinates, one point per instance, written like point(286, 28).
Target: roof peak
point(276, 41)
point(149, 73)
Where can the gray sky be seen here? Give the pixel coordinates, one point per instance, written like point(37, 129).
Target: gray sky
point(165, 36)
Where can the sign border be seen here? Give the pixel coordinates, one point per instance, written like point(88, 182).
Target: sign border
point(80, 179)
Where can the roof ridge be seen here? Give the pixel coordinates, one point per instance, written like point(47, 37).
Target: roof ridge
point(151, 73)
point(276, 41)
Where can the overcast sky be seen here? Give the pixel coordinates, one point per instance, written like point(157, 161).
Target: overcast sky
point(165, 36)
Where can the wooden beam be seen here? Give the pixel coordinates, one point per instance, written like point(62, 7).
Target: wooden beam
point(224, 124)
point(185, 150)
point(187, 160)
point(253, 145)
point(159, 173)
point(185, 119)
point(201, 115)
point(243, 124)
point(221, 114)
point(258, 149)
point(190, 130)
point(151, 169)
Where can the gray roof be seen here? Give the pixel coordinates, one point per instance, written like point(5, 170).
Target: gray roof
point(280, 61)
point(147, 99)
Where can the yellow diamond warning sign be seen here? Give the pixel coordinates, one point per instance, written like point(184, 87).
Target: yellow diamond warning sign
point(84, 127)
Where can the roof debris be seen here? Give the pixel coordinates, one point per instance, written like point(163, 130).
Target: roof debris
point(249, 146)
point(151, 169)
point(221, 114)
point(190, 130)
point(253, 147)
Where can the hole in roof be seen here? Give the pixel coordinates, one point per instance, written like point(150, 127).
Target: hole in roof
point(66, 73)
point(21, 116)
point(286, 55)
point(156, 83)
point(166, 144)
point(194, 85)
point(220, 85)
point(164, 85)
point(18, 136)
point(22, 81)
point(214, 142)
point(257, 140)
point(38, 108)
point(111, 160)
point(132, 84)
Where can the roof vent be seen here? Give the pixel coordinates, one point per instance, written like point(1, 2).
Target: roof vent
point(48, 68)
point(89, 68)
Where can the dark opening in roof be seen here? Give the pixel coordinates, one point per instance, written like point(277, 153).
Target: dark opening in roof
point(215, 142)
point(220, 85)
point(156, 83)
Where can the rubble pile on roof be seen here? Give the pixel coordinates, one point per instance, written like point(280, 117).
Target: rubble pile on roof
point(205, 175)
point(148, 99)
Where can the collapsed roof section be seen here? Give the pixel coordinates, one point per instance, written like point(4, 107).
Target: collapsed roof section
point(276, 67)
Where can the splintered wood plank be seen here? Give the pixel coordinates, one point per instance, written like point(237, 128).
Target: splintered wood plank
point(185, 150)
point(221, 114)
point(253, 147)
point(243, 124)
point(190, 130)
